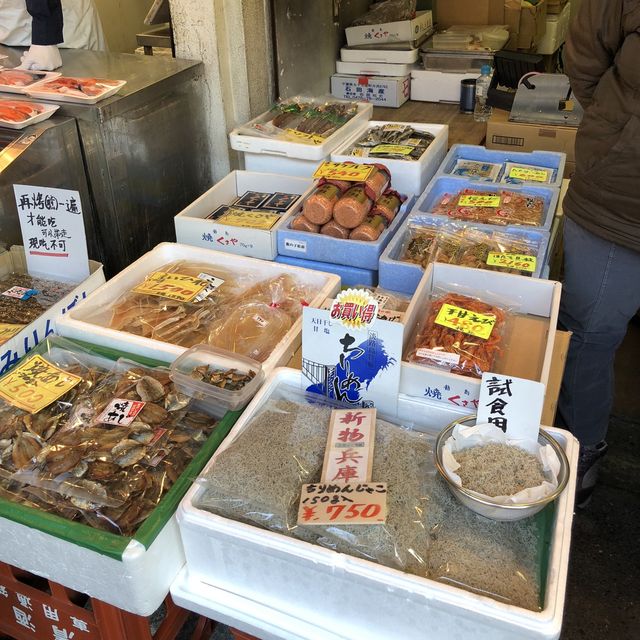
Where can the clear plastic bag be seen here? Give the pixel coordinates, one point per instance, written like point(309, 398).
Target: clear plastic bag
point(393, 141)
point(457, 351)
point(418, 244)
point(387, 11)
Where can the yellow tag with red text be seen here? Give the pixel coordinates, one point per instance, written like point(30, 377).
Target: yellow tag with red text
point(174, 286)
point(344, 171)
point(512, 261)
point(469, 322)
point(7, 331)
point(479, 201)
point(529, 175)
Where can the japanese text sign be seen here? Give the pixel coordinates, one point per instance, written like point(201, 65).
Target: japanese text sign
point(397, 149)
point(512, 404)
point(347, 171)
point(121, 412)
point(474, 324)
point(512, 261)
point(53, 233)
point(479, 201)
point(301, 136)
point(9, 330)
point(349, 453)
point(35, 384)
point(528, 174)
point(251, 219)
point(175, 286)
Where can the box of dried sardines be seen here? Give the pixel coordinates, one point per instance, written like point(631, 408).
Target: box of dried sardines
point(29, 305)
point(97, 449)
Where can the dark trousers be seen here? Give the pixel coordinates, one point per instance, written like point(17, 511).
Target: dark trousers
point(600, 295)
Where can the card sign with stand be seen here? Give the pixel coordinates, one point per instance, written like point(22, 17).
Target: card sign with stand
point(53, 233)
point(350, 355)
point(512, 404)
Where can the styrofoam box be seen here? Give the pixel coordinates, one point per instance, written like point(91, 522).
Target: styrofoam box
point(556, 31)
point(407, 176)
point(373, 68)
point(437, 86)
point(349, 276)
point(381, 56)
point(192, 227)
point(269, 155)
point(441, 185)
point(12, 350)
point(531, 297)
point(353, 253)
point(276, 587)
point(400, 31)
point(405, 277)
point(547, 159)
point(75, 324)
point(381, 91)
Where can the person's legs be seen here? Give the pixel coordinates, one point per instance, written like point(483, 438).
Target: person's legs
point(601, 293)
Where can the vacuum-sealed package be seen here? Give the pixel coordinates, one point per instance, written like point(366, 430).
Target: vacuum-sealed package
point(392, 141)
point(418, 244)
point(461, 334)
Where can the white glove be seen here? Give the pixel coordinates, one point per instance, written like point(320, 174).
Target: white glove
point(41, 58)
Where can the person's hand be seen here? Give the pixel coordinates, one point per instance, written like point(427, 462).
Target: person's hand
point(41, 58)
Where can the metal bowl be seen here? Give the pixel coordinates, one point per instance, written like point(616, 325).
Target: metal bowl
point(484, 505)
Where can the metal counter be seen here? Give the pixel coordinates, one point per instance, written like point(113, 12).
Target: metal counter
point(144, 149)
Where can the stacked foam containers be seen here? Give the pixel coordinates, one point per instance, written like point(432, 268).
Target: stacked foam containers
point(404, 277)
point(357, 262)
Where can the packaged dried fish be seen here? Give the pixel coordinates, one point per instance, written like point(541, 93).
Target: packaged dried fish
point(393, 141)
point(418, 244)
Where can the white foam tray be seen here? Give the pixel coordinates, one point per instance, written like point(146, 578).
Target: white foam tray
point(76, 325)
point(407, 177)
point(48, 111)
point(41, 92)
point(277, 587)
point(373, 68)
point(379, 56)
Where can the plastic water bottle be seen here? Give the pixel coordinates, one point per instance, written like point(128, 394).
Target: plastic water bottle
point(482, 110)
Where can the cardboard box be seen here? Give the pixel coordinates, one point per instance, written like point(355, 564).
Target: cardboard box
point(457, 12)
point(382, 91)
point(533, 24)
point(401, 31)
point(517, 136)
point(556, 6)
point(556, 31)
point(437, 86)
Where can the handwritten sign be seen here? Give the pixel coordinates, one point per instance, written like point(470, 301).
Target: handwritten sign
point(9, 330)
point(355, 308)
point(53, 232)
point(529, 174)
point(512, 404)
point(174, 286)
point(396, 149)
point(35, 384)
point(344, 171)
point(470, 322)
point(251, 219)
point(363, 503)
point(301, 136)
point(479, 201)
point(518, 261)
point(121, 412)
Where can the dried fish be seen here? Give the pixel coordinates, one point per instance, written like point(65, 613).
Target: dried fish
point(127, 452)
point(25, 448)
point(149, 389)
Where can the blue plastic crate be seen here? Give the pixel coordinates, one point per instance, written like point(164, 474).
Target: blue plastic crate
point(353, 253)
point(547, 159)
point(404, 277)
point(441, 185)
point(350, 275)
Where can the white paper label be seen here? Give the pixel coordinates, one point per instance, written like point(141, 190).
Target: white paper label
point(121, 412)
point(214, 284)
point(17, 292)
point(260, 321)
point(296, 245)
point(441, 356)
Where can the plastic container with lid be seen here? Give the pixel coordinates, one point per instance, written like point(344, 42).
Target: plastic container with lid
point(209, 394)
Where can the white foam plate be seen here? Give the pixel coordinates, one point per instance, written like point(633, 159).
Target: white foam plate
point(48, 111)
point(42, 93)
point(41, 77)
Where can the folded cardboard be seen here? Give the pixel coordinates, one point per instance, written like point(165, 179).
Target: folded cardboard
point(381, 91)
point(532, 24)
point(454, 12)
point(400, 31)
point(556, 6)
point(516, 136)
point(557, 28)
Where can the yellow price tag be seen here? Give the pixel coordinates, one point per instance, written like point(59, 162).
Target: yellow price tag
point(529, 175)
point(344, 171)
point(469, 322)
point(397, 149)
point(480, 201)
point(174, 286)
point(7, 331)
point(35, 384)
point(253, 219)
point(512, 261)
point(305, 137)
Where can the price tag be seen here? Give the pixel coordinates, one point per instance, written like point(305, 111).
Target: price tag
point(469, 322)
point(512, 261)
point(305, 137)
point(20, 293)
point(253, 219)
point(445, 357)
point(528, 174)
point(35, 384)
point(397, 149)
point(480, 201)
point(344, 171)
point(296, 245)
point(7, 331)
point(322, 504)
point(174, 286)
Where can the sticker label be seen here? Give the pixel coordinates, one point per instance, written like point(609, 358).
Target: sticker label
point(529, 174)
point(322, 504)
point(480, 201)
point(344, 171)
point(355, 308)
point(260, 321)
point(7, 331)
point(474, 324)
point(35, 384)
point(296, 245)
point(251, 219)
point(121, 412)
point(396, 149)
point(441, 356)
point(20, 293)
point(301, 136)
point(212, 284)
point(174, 286)
point(512, 261)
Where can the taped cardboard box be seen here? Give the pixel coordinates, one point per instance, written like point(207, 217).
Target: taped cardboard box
point(532, 25)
